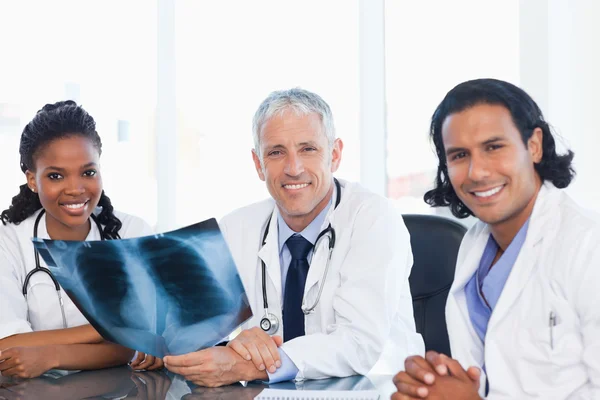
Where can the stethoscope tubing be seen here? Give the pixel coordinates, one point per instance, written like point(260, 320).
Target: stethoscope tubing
point(329, 233)
point(39, 268)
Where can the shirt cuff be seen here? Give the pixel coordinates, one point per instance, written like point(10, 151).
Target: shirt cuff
point(286, 372)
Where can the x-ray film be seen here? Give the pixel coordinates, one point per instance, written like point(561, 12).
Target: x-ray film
point(169, 293)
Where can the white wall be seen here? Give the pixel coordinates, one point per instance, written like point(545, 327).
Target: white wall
point(560, 68)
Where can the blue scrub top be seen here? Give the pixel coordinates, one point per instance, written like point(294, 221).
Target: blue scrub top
point(485, 286)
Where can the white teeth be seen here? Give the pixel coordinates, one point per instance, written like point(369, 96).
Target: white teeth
point(74, 205)
point(488, 193)
point(294, 187)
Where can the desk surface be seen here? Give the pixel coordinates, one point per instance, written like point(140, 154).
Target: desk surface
point(123, 383)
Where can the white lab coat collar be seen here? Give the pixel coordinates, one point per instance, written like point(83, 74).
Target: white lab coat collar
point(546, 198)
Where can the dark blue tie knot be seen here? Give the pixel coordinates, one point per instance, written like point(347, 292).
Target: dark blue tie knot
point(298, 247)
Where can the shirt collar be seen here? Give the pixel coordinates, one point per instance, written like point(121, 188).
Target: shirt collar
point(309, 233)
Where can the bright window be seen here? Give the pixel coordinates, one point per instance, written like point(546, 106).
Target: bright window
point(430, 48)
point(230, 55)
point(89, 52)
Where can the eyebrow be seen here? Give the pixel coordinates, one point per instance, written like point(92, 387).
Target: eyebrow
point(453, 150)
point(90, 164)
point(301, 144)
point(276, 147)
point(309, 143)
point(493, 140)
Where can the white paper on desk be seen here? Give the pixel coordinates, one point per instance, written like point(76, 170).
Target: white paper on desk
point(280, 394)
point(170, 293)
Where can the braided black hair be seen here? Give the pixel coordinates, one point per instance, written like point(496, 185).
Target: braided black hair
point(56, 121)
point(526, 115)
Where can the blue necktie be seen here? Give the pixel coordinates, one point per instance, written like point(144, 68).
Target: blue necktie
point(293, 317)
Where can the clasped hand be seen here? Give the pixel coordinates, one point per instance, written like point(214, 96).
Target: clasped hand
point(436, 376)
point(254, 344)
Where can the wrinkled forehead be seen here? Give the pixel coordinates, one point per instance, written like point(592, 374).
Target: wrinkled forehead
point(290, 124)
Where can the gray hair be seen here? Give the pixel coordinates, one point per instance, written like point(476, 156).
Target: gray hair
point(302, 102)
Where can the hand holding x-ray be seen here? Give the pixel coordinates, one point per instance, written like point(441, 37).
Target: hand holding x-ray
point(170, 293)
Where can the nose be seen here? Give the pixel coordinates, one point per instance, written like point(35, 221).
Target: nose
point(294, 165)
point(75, 186)
point(478, 168)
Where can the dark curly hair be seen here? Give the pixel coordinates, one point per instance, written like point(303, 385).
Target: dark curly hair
point(526, 116)
point(56, 121)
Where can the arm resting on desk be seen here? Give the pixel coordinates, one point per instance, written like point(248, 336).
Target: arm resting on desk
point(286, 372)
point(91, 356)
point(84, 334)
point(33, 361)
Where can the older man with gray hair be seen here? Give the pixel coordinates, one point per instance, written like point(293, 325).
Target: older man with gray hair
point(324, 261)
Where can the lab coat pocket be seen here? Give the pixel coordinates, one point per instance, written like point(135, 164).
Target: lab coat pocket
point(549, 351)
point(555, 344)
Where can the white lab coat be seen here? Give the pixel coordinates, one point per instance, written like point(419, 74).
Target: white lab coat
point(17, 259)
point(557, 270)
point(365, 312)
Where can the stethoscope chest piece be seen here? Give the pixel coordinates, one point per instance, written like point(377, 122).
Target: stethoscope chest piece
point(269, 323)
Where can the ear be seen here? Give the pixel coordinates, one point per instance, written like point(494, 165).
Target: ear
point(31, 181)
point(535, 145)
point(258, 166)
point(336, 154)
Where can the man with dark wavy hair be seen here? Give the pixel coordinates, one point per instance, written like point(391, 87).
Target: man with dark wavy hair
point(523, 313)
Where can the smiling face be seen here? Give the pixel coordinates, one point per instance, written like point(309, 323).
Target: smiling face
point(297, 164)
point(67, 179)
point(490, 168)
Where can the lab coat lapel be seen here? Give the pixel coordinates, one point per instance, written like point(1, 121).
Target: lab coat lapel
point(526, 263)
point(321, 251)
point(465, 345)
point(467, 268)
point(457, 314)
point(269, 253)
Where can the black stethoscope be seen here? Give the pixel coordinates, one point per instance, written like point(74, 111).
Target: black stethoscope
point(39, 268)
point(270, 322)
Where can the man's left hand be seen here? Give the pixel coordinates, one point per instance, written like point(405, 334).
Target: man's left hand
point(256, 345)
point(213, 367)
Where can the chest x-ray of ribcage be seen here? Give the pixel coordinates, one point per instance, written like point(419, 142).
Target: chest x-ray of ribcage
point(170, 293)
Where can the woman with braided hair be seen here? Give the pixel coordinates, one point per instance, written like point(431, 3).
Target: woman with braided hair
point(62, 199)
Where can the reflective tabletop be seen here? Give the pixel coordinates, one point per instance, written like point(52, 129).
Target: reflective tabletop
point(123, 383)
